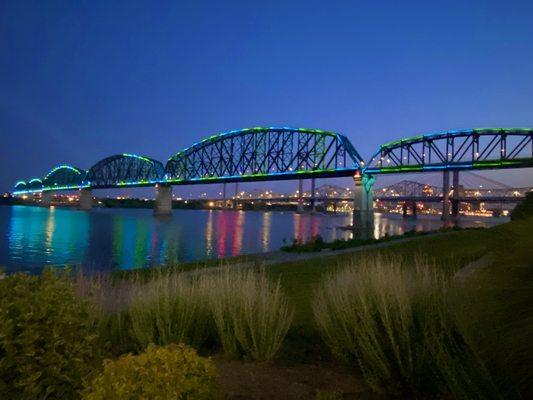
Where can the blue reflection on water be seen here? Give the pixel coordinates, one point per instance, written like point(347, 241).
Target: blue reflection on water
point(32, 237)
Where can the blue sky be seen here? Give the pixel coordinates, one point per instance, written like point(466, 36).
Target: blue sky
point(83, 80)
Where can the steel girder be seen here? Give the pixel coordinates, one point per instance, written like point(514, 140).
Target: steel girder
point(487, 148)
point(125, 170)
point(264, 154)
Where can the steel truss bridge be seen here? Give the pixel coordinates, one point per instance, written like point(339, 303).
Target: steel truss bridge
point(279, 153)
point(487, 148)
point(246, 155)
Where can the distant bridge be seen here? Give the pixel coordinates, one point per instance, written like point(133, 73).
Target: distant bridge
point(279, 153)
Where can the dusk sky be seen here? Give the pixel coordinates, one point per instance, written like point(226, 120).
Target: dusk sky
point(83, 80)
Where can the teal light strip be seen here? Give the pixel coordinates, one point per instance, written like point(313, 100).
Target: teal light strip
point(146, 159)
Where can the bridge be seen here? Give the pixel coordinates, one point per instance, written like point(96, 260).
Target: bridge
point(280, 153)
point(406, 193)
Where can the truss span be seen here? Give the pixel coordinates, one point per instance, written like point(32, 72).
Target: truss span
point(125, 170)
point(64, 177)
point(264, 153)
point(486, 148)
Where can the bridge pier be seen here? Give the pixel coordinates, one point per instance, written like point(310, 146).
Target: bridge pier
point(224, 198)
point(163, 200)
point(445, 195)
point(363, 203)
point(300, 207)
point(46, 199)
point(313, 202)
point(235, 197)
point(86, 199)
point(456, 194)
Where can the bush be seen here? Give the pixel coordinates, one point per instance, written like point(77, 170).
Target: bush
point(393, 323)
point(524, 209)
point(171, 372)
point(251, 314)
point(47, 337)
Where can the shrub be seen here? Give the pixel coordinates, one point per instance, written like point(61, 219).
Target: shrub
point(47, 337)
point(524, 209)
point(251, 314)
point(171, 372)
point(393, 323)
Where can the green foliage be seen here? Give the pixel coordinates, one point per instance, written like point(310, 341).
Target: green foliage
point(171, 372)
point(47, 337)
point(393, 322)
point(524, 209)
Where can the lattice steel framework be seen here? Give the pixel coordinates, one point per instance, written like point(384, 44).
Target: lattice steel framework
point(264, 154)
point(408, 188)
point(125, 170)
point(487, 148)
point(64, 177)
point(34, 185)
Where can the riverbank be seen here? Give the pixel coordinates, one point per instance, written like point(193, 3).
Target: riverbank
point(489, 307)
point(491, 301)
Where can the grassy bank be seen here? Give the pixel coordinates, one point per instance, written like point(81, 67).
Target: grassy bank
point(493, 307)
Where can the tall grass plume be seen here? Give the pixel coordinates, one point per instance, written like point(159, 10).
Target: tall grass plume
point(392, 321)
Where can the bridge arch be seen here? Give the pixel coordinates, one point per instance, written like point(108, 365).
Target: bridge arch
point(34, 185)
point(20, 186)
point(483, 148)
point(64, 177)
point(263, 153)
point(125, 170)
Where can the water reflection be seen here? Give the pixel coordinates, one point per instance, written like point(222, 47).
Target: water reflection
point(128, 238)
point(45, 236)
point(267, 221)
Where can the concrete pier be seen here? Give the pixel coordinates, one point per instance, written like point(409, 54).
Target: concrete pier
point(46, 199)
point(300, 207)
point(86, 199)
point(445, 195)
point(313, 194)
point(163, 200)
point(236, 196)
point(456, 194)
point(224, 197)
point(363, 204)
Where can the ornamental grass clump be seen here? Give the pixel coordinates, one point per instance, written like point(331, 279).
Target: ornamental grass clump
point(170, 309)
point(240, 309)
point(48, 337)
point(170, 372)
point(391, 319)
point(250, 312)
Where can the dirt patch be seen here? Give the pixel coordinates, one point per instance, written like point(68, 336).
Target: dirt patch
point(252, 381)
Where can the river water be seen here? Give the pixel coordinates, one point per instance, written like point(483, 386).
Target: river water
point(102, 239)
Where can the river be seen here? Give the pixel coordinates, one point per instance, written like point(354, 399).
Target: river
point(103, 239)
